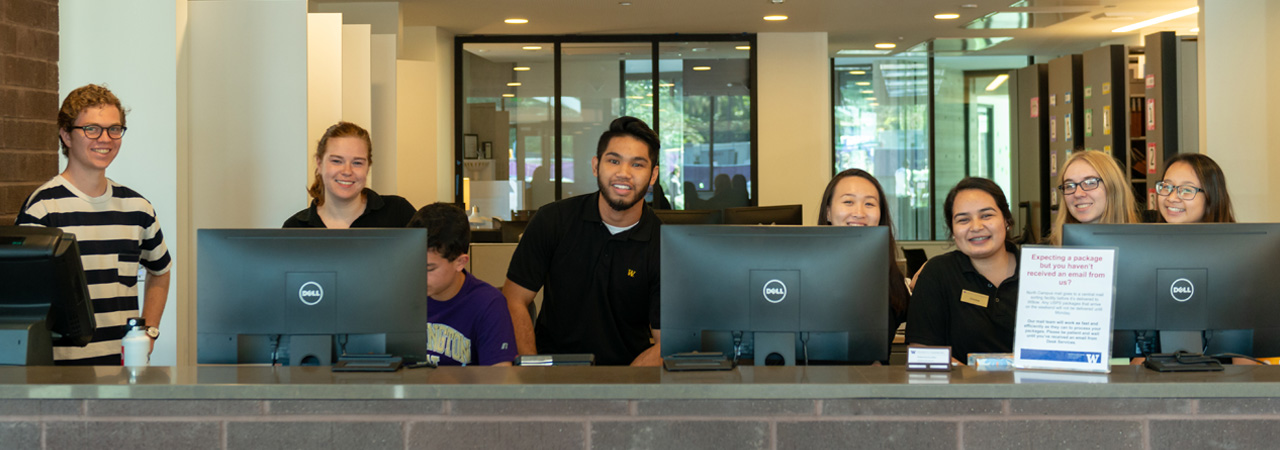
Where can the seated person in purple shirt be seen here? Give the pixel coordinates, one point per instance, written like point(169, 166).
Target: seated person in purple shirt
point(467, 319)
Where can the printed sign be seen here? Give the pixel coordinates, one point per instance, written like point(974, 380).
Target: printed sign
point(1053, 100)
point(1088, 123)
point(1035, 107)
point(1106, 88)
point(1151, 158)
point(1106, 120)
point(1065, 306)
point(1088, 91)
point(1151, 81)
point(1151, 199)
point(1066, 127)
point(1053, 164)
point(1053, 129)
point(1066, 98)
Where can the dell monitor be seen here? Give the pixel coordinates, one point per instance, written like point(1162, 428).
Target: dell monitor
point(688, 216)
point(44, 297)
point(778, 293)
point(765, 215)
point(1202, 281)
point(308, 296)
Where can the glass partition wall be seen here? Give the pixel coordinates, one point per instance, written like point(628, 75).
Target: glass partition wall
point(919, 133)
point(533, 110)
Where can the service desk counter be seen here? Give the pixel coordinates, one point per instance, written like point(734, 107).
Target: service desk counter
point(623, 407)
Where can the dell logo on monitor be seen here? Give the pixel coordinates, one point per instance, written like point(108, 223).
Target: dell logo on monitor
point(310, 293)
point(1182, 289)
point(775, 291)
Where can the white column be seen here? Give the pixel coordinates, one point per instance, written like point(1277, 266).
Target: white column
point(1241, 101)
point(794, 155)
point(137, 58)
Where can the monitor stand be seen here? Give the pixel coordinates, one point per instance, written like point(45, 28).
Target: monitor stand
point(781, 344)
point(311, 350)
point(24, 343)
point(1187, 341)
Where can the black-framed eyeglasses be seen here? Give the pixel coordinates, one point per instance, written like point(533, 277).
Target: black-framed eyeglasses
point(1087, 184)
point(1186, 192)
point(94, 131)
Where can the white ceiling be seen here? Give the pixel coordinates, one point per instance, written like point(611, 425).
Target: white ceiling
point(850, 24)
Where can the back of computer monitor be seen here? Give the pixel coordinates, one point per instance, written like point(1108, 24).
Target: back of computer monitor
point(1191, 277)
point(367, 286)
point(765, 215)
point(689, 216)
point(44, 297)
point(825, 286)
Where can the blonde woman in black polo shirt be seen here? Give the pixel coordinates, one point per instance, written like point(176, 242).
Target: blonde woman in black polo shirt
point(967, 299)
point(339, 198)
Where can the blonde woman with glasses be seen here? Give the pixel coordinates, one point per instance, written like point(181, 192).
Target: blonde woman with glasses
point(1093, 190)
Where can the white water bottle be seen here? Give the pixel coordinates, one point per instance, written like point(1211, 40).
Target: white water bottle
point(136, 344)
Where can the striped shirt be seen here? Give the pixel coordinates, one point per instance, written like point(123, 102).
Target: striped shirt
point(116, 232)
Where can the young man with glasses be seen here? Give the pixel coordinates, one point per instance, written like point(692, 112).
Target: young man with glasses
point(116, 228)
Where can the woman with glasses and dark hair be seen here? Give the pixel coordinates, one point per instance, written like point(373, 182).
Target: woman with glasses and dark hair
point(854, 198)
point(1194, 190)
point(967, 299)
point(1093, 190)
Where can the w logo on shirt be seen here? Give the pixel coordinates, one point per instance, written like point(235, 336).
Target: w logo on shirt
point(631, 273)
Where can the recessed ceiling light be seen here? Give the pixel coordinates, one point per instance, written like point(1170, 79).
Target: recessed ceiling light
point(868, 91)
point(635, 97)
point(1164, 18)
point(863, 83)
point(857, 72)
point(1195, 30)
point(531, 47)
point(885, 45)
point(742, 47)
point(666, 85)
point(874, 104)
point(516, 21)
point(701, 68)
point(946, 16)
point(650, 94)
point(775, 18)
point(871, 99)
point(509, 95)
point(850, 51)
point(513, 83)
point(647, 105)
point(520, 69)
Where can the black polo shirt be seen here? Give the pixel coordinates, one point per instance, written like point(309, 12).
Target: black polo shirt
point(601, 290)
point(380, 211)
point(937, 315)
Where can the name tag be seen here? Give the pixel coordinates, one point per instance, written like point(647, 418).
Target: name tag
point(973, 298)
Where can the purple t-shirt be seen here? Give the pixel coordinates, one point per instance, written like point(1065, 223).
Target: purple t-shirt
point(472, 328)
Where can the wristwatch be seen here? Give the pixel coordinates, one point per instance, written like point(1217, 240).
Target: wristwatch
point(153, 333)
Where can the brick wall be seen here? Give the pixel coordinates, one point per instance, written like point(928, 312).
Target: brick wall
point(661, 424)
point(28, 100)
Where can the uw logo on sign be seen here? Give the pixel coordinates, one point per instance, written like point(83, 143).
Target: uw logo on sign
point(631, 273)
point(310, 293)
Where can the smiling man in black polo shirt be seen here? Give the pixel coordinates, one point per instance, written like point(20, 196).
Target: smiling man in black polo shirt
point(597, 257)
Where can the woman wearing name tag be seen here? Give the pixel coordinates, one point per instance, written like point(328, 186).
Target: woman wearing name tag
point(1093, 191)
point(968, 298)
point(339, 198)
point(1194, 190)
point(855, 198)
